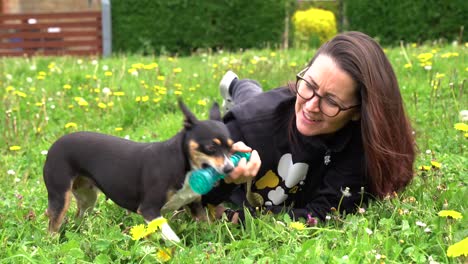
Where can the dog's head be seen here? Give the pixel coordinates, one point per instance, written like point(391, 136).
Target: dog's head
point(208, 142)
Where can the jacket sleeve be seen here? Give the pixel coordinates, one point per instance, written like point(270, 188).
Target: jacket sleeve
point(223, 190)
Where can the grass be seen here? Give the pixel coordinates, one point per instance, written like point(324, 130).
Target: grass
point(44, 98)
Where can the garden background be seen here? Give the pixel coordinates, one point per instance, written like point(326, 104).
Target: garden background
point(165, 50)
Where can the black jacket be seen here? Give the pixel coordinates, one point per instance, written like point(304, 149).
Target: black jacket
point(301, 175)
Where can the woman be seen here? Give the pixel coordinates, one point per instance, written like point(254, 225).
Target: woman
point(330, 141)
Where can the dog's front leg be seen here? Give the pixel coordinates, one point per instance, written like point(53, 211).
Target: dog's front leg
point(155, 220)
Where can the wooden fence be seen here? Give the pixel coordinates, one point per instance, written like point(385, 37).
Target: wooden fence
point(73, 33)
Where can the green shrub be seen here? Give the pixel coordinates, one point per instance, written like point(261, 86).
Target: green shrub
point(313, 27)
point(410, 21)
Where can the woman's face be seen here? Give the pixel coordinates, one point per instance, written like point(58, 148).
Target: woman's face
point(332, 84)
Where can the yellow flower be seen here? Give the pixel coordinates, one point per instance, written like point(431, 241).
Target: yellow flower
point(155, 225)
point(273, 54)
point(15, 148)
point(461, 126)
point(102, 105)
point(424, 168)
point(138, 232)
point(436, 164)
point(163, 255)
point(108, 73)
point(118, 129)
point(161, 78)
point(297, 225)
point(118, 93)
point(177, 70)
point(408, 65)
point(201, 102)
point(450, 213)
point(71, 124)
point(20, 94)
point(178, 92)
point(292, 64)
point(67, 87)
point(458, 249)
point(440, 75)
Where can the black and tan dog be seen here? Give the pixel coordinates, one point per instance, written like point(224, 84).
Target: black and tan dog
point(136, 176)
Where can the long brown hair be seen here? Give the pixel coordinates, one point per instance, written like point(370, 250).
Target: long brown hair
point(387, 135)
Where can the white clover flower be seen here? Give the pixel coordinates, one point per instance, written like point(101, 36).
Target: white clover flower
point(428, 67)
point(421, 224)
point(106, 90)
point(463, 115)
point(105, 67)
point(9, 76)
point(427, 230)
point(345, 257)
point(11, 172)
point(346, 192)
point(79, 61)
point(127, 137)
point(44, 152)
point(52, 106)
point(17, 179)
point(327, 217)
point(33, 67)
point(94, 62)
point(428, 151)
point(29, 79)
point(368, 231)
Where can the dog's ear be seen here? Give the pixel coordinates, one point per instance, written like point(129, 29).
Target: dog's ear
point(189, 118)
point(215, 114)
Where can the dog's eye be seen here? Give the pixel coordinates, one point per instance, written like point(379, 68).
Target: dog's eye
point(210, 149)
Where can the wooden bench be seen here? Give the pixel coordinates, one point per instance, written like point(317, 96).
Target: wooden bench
point(72, 33)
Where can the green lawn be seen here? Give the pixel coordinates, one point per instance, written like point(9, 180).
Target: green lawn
point(135, 97)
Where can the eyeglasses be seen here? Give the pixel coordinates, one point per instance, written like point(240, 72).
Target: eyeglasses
point(308, 91)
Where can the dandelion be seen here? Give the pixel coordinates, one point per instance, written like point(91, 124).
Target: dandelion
point(138, 232)
point(292, 64)
point(71, 125)
point(424, 168)
point(163, 255)
point(178, 92)
point(67, 87)
point(20, 94)
point(440, 75)
point(15, 148)
point(161, 78)
point(118, 129)
point(461, 127)
point(201, 102)
point(436, 164)
point(108, 73)
point(408, 65)
point(102, 105)
point(297, 225)
point(177, 70)
point(458, 249)
point(118, 93)
point(451, 214)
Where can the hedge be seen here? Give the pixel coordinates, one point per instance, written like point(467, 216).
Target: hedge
point(411, 21)
point(182, 26)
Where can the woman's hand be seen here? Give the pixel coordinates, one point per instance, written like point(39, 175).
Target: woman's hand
point(245, 170)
